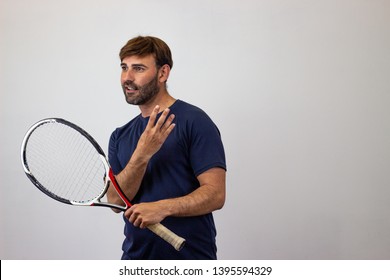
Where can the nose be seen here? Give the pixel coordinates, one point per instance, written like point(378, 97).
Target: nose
point(127, 76)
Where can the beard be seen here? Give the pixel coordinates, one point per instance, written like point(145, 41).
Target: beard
point(144, 93)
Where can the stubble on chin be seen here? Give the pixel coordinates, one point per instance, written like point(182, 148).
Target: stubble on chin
point(144, 94)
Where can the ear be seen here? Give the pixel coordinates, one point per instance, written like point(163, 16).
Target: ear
point(163, 73)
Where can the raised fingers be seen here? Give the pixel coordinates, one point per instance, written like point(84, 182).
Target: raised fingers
point(169, 126)
point(163, 121)
point(152, 118)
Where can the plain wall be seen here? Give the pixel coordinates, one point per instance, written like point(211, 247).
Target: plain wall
point(299, 89)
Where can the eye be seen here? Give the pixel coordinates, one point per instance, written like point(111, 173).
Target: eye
point(138, 68)
point(124, 67)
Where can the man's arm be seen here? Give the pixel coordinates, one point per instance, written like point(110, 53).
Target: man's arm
point(151, 140)
point(208, 197)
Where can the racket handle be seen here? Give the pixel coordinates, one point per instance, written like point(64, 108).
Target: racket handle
point(176, 241)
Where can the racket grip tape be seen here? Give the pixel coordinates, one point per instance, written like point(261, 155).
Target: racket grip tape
point(176, 241)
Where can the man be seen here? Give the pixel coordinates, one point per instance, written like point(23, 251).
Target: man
point(169, 161)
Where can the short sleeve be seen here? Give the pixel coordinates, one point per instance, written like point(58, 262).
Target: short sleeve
point(113, 154)
point(206, 148)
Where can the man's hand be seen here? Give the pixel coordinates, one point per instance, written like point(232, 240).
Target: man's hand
point(145, 214)
point(155, 133)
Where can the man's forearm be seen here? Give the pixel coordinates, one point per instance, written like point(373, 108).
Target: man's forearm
point(129, 179)
point(210, 196)
point(131, 176)
point(200, 202)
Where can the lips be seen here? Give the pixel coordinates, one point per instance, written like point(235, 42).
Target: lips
point(130, 88)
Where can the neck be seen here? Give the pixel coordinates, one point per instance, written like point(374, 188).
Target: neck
point(162, 99)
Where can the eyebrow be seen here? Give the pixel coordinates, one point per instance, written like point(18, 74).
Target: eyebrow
point(135, 65)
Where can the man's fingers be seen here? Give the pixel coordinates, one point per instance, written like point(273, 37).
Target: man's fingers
point(162, 118)
point(163, 122)
point(133, 217)
point(152, 118)
point(169, 130)
point(168, 122)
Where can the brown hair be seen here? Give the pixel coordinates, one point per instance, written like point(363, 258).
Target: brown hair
point(143, 46)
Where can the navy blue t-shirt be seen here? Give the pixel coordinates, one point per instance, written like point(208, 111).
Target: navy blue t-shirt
point(193, 147)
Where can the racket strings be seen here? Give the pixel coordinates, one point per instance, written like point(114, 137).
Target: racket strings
point(65, 162)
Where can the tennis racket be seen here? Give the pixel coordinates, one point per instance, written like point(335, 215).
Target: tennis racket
point(67, 164)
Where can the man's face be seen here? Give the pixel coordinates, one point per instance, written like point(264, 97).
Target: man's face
point(139, 79)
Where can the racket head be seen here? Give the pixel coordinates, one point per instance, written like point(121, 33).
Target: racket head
point(65, 162)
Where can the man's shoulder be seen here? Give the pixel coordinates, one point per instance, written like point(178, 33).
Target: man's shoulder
point(187, 109)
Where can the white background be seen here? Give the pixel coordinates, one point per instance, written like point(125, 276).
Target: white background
point(299, 89)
